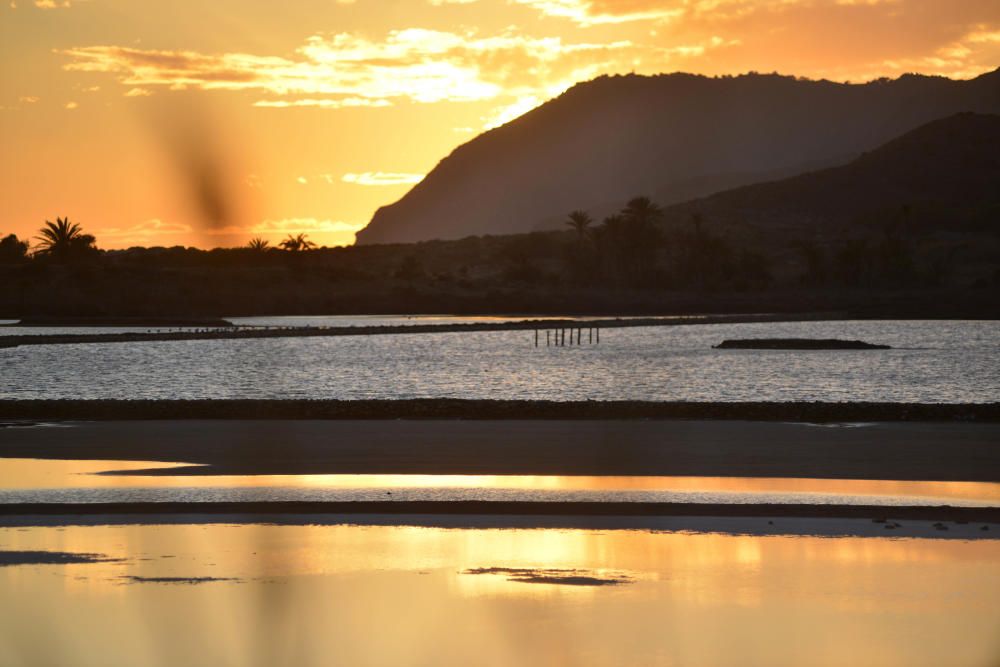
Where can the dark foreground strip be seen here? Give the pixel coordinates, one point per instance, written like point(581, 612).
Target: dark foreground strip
point(449, 408)
point(528, 508)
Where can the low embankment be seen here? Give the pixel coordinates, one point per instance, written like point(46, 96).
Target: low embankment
point(460, 409)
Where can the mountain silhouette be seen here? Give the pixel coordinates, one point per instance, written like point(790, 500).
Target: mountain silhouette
point(945, 173)
point(673, 137)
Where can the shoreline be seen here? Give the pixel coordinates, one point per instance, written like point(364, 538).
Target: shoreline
point(512, 508)
point(16, 412)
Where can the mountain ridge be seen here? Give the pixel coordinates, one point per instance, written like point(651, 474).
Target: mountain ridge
point(614, 136)
point(945, 171)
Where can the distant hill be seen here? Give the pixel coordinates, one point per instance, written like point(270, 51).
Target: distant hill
point(943, 176)
point(673, 137)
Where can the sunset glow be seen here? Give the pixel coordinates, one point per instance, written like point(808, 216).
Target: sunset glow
point(307, 116)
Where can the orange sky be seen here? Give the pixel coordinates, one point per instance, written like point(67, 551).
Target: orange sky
point(206, 123)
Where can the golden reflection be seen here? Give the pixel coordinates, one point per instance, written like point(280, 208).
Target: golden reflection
point(382, 595)
point(35, 473)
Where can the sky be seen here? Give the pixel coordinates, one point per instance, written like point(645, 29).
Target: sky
point(209, 123)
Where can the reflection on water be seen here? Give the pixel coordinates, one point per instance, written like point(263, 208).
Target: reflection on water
point(932, 362)
point(390, 595)
point(40, 480)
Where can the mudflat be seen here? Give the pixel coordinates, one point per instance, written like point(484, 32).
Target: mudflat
point(941, 451)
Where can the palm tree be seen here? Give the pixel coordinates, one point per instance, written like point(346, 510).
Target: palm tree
point(258, 244)
point(297, 243)
point(63, 238)
point(635, 239)
point(580, 221)
point(642, 211)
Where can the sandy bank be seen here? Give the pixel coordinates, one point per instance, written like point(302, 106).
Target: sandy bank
point(892, 451)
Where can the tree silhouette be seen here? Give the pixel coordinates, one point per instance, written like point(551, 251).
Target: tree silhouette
point(63, 240)
point(297, 243)
point(641, 211)
point(258, 244)
point(638, 239)
point(580, 221)
point(13, 249)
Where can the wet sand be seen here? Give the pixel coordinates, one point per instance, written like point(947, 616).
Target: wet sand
point(931, 451)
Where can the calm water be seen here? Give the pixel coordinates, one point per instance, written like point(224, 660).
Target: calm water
point(53, 481)
point(935, 361)
point(403, 595)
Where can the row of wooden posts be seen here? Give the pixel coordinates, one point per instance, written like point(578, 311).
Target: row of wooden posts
point(557, 337)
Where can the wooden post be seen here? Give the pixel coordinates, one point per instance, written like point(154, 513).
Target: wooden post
point(536, 337)
point(590, 335)
point(598, 335)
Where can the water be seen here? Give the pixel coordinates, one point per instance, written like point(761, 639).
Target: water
point(404, 595)
point(54, 481)
point(934, 362)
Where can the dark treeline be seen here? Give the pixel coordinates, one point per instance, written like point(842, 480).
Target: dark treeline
point(638, 260)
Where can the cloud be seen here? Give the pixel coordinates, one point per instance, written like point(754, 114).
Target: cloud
point(348, 70)
point(598, 12)
point(514, 72)
point(378, 178)
point(344, 103)
point(52, 4)
point(144, 230)
point(299, 225)
point(72, 105)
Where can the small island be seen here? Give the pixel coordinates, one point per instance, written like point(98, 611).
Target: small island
point(797, 344)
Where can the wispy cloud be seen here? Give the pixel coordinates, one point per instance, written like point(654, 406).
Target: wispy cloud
point(144, 231)
point(323, 103)
point(351, 70)
point(601, 12)
point(382, 178)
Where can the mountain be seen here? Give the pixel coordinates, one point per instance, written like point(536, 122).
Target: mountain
point(945, 173)
point(673, 137)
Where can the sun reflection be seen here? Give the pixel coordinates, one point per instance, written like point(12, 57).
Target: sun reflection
point(317, 591)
